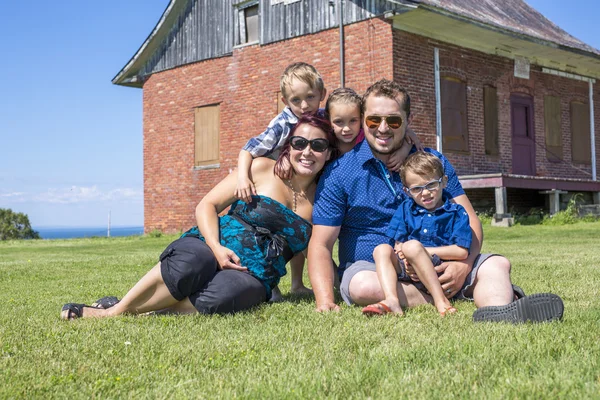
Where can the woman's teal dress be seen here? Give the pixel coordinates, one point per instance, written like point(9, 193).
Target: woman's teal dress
point(264, 234)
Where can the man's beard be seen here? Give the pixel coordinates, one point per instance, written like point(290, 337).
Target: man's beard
point(384, 152)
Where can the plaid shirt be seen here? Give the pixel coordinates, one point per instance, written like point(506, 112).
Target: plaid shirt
point(270, 142)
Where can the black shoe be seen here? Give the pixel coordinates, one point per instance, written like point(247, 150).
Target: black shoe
point(72, 311)
point(519, 293)
point(105, 302)
point(539, 307)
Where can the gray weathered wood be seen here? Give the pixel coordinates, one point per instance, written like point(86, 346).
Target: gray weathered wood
point(210, 28)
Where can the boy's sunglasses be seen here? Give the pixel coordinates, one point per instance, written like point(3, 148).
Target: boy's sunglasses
point(299, 143)
point(393, 121)
point(430, 186)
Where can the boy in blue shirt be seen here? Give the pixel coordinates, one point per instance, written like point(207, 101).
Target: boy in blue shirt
point(427, 228)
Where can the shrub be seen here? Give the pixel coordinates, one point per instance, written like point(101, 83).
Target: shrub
point(533, 217)
point(15, 226)
point(156, 233)
point(485, 216)
point(566, 217)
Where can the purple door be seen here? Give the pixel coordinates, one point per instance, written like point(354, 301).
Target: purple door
point(523, 140)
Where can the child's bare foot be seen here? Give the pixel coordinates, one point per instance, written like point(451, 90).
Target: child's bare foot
point(383, 308)
point(302, 290)
point(449, 309)
point(276, 296)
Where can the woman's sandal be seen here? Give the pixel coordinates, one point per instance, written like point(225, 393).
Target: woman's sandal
point(72, 311)
point(448, 310)
point(106, 302)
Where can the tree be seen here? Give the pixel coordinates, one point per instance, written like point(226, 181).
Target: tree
point(15, 226)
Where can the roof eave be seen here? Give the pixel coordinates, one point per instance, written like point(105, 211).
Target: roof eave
point(511, 32)
point(129, 74)
point(421, 22)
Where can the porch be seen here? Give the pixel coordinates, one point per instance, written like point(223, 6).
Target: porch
point(553, 189)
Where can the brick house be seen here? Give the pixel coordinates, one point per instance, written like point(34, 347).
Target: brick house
point(506, 95)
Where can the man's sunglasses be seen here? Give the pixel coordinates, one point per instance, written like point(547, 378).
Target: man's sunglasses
point(393, 121)
point(299, 143)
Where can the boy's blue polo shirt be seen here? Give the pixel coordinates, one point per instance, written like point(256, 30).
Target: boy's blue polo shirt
point(357, 193)
point(444, 226)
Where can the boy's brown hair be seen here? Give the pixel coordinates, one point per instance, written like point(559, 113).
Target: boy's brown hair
point(303, 72)
point(343, 96)
point(423, 164)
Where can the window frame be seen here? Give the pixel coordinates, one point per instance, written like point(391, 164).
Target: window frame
point(241, 23)
point(582, 134)
point(490, 121)
point(463, 137)
point(211, 159)
point(553, 128)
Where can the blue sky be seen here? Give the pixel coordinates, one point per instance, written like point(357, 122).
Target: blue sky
point(70, 140)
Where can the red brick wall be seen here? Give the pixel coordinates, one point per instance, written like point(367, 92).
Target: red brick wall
point(414, 63)
point(245, 85)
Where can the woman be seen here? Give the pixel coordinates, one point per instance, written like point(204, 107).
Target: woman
point(231, 263)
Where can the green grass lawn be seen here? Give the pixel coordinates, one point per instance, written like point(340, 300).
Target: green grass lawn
point(287, 350)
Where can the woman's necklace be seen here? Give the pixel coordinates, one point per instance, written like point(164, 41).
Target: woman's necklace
point(295, 202)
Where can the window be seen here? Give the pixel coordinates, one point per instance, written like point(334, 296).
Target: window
point(552, 123)
point(248, 24)
point(490, 120)
point(455, 133)
point(580, 133)
point(206, 136)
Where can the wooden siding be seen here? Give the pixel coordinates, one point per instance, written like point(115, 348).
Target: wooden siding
point(203, 31)
point(284, 21)
point(206, 28)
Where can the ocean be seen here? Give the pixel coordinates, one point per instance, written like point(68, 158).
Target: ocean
point(70, 233)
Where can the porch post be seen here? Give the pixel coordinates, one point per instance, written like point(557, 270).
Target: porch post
point(554, 202)
point(438, 99)
point(592, 129)
point(340, 11)
point(502, 217)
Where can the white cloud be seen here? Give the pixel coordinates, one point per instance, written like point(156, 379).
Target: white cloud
point(12, 195)
point(75, 195)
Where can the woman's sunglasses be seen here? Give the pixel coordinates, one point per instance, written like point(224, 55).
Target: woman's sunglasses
point(393, 121)
point(299, 143)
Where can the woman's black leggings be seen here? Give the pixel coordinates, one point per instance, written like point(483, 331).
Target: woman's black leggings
point(189, 269)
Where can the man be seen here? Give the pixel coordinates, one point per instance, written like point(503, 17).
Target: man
point(355, 201)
